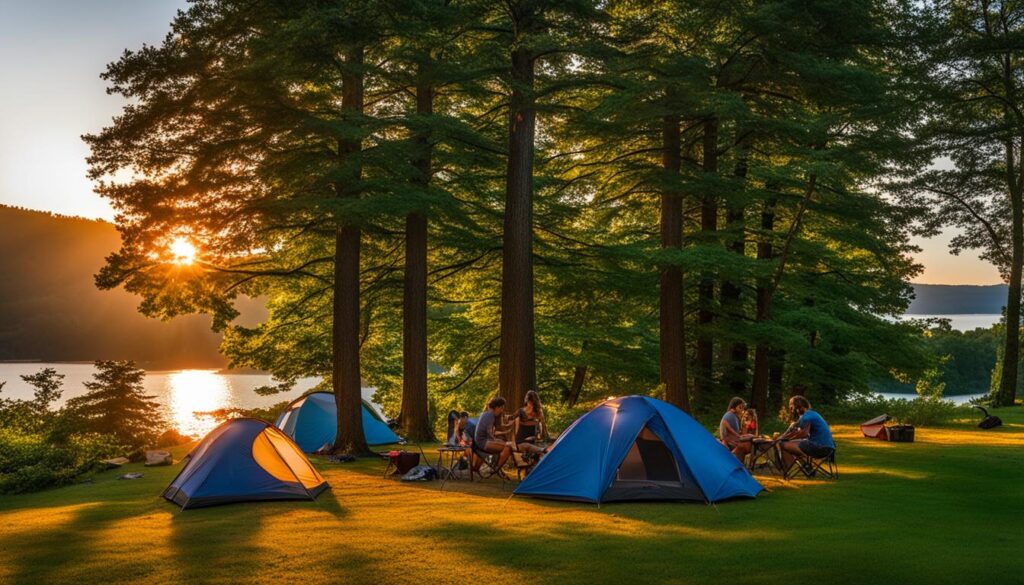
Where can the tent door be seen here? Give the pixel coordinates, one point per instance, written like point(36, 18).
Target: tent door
point(650, 472)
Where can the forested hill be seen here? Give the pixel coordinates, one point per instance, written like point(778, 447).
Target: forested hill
point(948, 299)
point(50, 309)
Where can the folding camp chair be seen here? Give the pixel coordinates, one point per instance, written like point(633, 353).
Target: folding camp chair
point(523, 463)
point(811, 467)
point(490, 460)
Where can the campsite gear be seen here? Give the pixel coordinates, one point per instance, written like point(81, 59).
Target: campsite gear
point(312, 421)
point(762, 456)
point(244, 459)
point(875, 428)
point(420, 473)
point(135, 475)
point(638, 448)
point(340, 458)
point(901, 433)
point(155, 458)
point(488, 467)
point(114, 463)
point(448, 459)
point(401, 462)
point(989, 421)
point(810, 467)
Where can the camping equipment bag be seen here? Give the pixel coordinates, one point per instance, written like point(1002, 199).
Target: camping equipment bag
point(901, 433)
point(403, 461)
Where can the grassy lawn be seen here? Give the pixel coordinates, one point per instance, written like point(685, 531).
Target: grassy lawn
point(947, 509)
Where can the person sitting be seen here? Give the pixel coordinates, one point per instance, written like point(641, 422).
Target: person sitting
point(810, 435)
point(529, 425)
point(459, 436)
point(750, 422)
point(484, 439)
point(729, 430)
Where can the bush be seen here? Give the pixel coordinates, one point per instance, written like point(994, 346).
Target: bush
point(918, 411)
point(30, 462)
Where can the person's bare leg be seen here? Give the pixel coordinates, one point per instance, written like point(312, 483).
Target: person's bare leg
point(505, 454)
point(530, 448)
point(741, 450)
point(790, 452)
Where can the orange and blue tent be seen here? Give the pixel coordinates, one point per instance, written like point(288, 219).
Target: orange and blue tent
point(312, 422)
point(244, 460)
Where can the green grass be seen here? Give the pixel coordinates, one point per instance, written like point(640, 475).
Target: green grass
point(947, 509)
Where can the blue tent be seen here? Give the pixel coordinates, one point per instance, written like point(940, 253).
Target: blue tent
point(312, 422)
point(638, 448)
point(244, 459)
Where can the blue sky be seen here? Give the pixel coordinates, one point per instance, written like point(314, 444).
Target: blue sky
point(51, 55)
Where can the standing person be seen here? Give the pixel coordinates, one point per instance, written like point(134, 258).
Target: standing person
point(530, 424)
point(810, 435)
point(484, 439)
point(729, 430)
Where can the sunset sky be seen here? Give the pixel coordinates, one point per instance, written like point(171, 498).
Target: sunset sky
point(51, 55)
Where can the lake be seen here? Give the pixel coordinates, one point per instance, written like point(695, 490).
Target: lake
point(181, 392)
point(958, 399)
point(963, 322)
point(185, 392)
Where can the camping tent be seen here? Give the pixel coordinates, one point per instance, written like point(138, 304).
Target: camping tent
point(875, 428)
point(312, 422)
point(244, 459)
point(638, 448)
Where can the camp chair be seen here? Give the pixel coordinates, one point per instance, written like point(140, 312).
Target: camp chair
point(523, 463)
point(490, 460)
point(810, 467)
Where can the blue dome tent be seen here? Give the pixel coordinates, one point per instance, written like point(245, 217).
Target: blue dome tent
point(244, 459)
point(638, 448)
point(312, 422)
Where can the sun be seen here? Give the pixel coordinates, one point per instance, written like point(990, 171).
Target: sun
point(182, 251)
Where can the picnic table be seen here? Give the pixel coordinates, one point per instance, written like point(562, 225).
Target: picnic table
point(448, 457)
point(763, 455)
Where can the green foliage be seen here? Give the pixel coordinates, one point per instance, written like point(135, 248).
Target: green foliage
point(236, 140)
point(32, 461)
point(268, 414)
point(926, 411)
point(115, 405)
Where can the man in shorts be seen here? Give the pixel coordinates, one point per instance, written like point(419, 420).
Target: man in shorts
point(810, 434)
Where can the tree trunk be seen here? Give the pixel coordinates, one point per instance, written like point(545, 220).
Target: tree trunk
point(732, 307)
point(415, 417)
point(702, 381)
point(1011, 344)
point(516, 370)
point(762, 362)
point(673, 336)
point(776, 369)
point(579, 376)
point(345, 378)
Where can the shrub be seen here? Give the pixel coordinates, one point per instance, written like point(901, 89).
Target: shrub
point(30, 462)
point(918, 411)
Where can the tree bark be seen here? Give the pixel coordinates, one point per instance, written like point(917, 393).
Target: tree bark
point(579, 376)
point(345, 378)
point(736, 368)
point(703, 377)
point(1011, 343)
point(517, 367)
point(672, 332)
point(760, 383)
point(776, 369)
point(415, 416)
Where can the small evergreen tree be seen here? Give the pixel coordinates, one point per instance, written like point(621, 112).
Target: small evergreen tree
point(117, 405)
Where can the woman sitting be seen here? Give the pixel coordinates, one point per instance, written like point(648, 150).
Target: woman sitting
point(530, 425)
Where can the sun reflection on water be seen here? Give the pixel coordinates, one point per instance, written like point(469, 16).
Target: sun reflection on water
point(194, 391)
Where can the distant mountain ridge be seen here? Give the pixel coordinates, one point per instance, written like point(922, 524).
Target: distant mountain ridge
point(954, 299)
point(51, 310)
